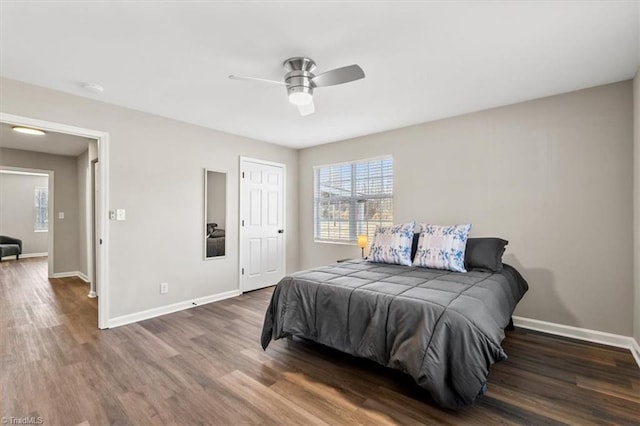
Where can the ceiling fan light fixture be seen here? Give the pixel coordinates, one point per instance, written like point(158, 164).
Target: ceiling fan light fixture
point(301, 81)
point(28, 130)
point(300, 98)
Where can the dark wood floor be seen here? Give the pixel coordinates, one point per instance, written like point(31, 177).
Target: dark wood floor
point(205, 366)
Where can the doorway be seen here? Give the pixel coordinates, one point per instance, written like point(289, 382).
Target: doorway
point(262, 219)
point(101, 243)
point(43, 228)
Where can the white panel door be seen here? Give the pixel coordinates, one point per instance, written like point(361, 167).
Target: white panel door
point(262, 224)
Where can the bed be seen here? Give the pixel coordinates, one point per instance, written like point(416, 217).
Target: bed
point(442, 328)
point(215, 240)
point(215, 246)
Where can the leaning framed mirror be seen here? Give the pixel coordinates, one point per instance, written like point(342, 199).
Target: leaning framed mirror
point(215, 214)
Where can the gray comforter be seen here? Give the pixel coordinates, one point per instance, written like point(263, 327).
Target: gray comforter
point(215, 246)
point(442, 328)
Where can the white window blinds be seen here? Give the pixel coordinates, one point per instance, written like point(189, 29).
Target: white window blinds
point(41, 210)
point(352, 199)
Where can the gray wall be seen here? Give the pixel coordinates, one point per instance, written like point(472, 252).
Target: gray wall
point(217, 199)
point(551, 175)
point(17, 210)
point(636, 189)
point(65, 199)
point(155, 173)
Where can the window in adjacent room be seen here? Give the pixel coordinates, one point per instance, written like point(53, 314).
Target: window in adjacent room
point(352, 198)
point(41, 214)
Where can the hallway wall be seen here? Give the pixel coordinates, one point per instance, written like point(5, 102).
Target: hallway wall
point(65, 200)
point(17, 210)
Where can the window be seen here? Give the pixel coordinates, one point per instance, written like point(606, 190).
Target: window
point(352, 199)
point(41, 216)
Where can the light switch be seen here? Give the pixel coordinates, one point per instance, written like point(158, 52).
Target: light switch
point(120, 214)
point(60, 215)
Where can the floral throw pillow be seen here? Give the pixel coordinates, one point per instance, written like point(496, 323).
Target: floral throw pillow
point(392, 244)
point(442, 247)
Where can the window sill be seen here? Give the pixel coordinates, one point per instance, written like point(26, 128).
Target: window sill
point(40, 230)
point(340, 243)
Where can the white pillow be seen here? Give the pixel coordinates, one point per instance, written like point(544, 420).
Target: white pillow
point(392, 244)
point(442, 247)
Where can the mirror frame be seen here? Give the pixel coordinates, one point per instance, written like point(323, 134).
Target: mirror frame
point(226, 211)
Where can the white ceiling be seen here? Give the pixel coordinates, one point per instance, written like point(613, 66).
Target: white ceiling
point(423, 60)
point(50, 143)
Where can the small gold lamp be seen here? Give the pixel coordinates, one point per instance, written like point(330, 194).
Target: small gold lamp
point(363, 240)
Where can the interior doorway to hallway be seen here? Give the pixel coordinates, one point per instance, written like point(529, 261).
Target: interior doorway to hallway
point(85, 228)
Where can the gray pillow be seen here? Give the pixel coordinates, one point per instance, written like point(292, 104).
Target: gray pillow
point(210, 228)
point(414, 245)
point(484, 254)
point(217, 233)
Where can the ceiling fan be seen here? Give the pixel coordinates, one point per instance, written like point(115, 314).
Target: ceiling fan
point(301, 81)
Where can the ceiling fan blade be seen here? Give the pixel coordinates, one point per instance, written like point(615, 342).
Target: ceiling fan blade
point(261, 80)
point(338, 76)
point(307, 109)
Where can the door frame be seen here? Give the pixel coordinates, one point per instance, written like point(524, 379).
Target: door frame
point(241, 247)
point(50, 211)
point(92, 205)
point(102, 272)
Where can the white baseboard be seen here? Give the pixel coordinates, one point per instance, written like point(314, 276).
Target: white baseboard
point(163, 310)
point(23, 256)
point(585, 334)
point(27, 255)
point(65, 274)
point(70, 274)
point(635, 350)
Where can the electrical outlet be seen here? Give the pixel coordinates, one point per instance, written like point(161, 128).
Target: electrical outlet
point(164, 288)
